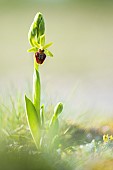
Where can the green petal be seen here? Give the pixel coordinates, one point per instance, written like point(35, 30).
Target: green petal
point(48, 53)
point(47, 45)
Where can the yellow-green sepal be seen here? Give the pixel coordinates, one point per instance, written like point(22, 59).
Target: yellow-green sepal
point(48, 53)
point(47, 45)
point(33, 49)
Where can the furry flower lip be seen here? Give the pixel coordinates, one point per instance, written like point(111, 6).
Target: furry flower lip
point(40, 56)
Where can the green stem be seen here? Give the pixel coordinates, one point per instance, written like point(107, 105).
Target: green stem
point(36, 90)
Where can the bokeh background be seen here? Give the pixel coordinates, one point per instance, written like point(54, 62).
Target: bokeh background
point(81, 72)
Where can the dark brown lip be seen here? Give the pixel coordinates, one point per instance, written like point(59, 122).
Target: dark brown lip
point(40, 56)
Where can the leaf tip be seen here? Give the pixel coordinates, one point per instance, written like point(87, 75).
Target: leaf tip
point(58, 108)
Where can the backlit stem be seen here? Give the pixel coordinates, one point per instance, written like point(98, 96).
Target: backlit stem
point(36, 90)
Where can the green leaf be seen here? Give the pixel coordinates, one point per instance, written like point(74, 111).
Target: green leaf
point(42, 40)
point(33, 121)
point(47, 45)
point(54, 123)
point(55, 127)
point(48, 53)
point(58, 109)
point(53, 131)
point(33, 49)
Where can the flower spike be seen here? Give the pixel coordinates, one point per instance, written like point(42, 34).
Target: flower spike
point(36, 38)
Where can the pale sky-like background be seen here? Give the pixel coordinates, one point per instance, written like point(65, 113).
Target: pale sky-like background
point(81, 72)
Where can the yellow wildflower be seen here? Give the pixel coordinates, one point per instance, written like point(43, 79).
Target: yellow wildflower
point(111, 137)
point(105, 138)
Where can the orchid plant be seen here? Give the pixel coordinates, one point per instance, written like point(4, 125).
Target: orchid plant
point(44, 135)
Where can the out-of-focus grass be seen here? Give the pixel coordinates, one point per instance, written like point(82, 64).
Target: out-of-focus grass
point(17, 149)
point(13, 122)
point(81, 147)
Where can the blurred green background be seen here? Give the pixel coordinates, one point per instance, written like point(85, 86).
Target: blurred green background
point(81, 72)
